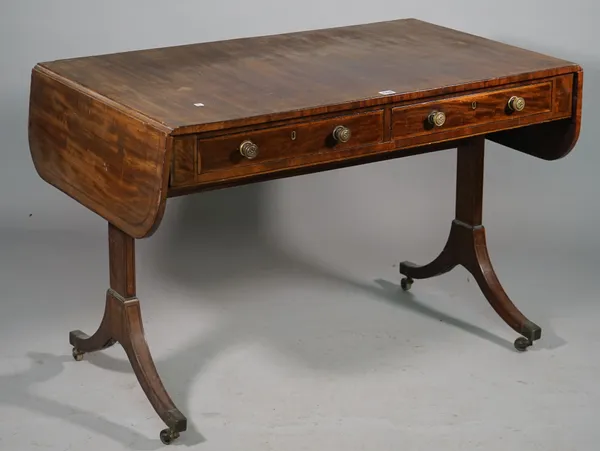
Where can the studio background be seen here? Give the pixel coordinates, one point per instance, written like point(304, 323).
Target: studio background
point(273, 310)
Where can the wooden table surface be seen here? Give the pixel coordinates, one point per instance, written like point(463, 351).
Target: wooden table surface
point(266, 77)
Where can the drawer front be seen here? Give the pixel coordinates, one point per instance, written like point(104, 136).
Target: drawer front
point(275, 146)
point(470, 110)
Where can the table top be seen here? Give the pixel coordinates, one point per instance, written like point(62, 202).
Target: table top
point(268, 76)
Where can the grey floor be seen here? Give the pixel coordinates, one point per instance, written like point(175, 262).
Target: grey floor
point(272, 343)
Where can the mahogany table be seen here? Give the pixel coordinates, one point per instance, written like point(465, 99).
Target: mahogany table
point(121, 133)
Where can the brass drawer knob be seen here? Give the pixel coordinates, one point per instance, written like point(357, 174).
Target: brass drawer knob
point(437, 118)
point(516, 103)
point(249, 150)
point(342, 134)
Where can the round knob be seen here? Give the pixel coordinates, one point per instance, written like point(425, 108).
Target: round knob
point(516, 103)
point(342, 134)
point(249, 150)
point(437, 118)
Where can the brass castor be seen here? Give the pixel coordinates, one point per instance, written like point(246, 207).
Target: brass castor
point(77, 354)
point(406, 283)
point(167, 436)
point(522, 343)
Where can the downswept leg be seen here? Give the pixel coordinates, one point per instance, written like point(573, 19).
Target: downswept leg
point(122, 322)
point(466, 245)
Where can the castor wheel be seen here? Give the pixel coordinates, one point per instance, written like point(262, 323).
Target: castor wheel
point(522, 343)
point(406, 283)
point(168, 435)
point(77, 354)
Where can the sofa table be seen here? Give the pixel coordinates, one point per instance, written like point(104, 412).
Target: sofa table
point(121, 133)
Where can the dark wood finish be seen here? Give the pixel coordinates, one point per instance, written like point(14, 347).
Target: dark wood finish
point(121, 133)
point(221, 158)
point(406, 129)
point(99, 153)
point(121, 256)
point(118, 132)
point(469, 182)
point(122, 322)
point(471, 110)
point(467, 246)
point(187, 161)
point(329, 164)
point(549, 140)
point(262, 79)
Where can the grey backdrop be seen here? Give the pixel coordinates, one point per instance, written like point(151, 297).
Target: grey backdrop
point(350, 226)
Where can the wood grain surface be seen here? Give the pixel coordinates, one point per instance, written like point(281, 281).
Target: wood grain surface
point(122, 323)
point(280, 143)
point(550, 140)
point(466, 245)
point(479, 112)
point(122, 132)
point(111, 162)
point(258, 79)
point(470, 110)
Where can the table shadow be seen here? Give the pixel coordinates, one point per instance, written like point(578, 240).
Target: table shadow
point(44, 367)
